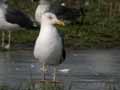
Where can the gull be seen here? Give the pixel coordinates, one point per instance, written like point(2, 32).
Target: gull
point(12, 19)
point(58, 8)
point(49, 45)
point(42, 7)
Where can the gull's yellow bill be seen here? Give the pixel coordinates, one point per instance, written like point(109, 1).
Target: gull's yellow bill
point(60, 23)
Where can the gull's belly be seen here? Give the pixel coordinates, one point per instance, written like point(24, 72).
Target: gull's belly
point(49, 52)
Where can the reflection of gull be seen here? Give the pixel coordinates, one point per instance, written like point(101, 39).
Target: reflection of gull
point(32, 66)
point(49, 47)
point(11, 19)
point(17, 69)
point(66, 70)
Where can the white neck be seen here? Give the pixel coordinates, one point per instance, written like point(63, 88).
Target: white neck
point(47, 29)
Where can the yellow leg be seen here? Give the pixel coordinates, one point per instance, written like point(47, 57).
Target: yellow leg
point(44, 71)
point(54, 73)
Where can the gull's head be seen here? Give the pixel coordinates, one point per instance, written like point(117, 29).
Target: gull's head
point(51, 19)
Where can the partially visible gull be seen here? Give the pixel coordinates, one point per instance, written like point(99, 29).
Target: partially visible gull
point(12, 19)
point(59, 9)
point(42, 7)
point(49, 46)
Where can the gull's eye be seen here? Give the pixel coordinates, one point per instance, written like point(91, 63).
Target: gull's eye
point(50, 17)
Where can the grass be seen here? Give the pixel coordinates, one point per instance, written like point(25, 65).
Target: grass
point(98, 30)
point(104, 35)
point(98, 35)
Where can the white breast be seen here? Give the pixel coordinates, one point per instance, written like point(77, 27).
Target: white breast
point(48, 47)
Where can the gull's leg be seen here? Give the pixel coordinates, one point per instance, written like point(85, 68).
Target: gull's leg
point(3, 38)
point(9, 39)
point(44, 71)
point(54, 73)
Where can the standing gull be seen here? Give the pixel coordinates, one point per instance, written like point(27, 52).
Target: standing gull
point(49, 46)
point(12, 19)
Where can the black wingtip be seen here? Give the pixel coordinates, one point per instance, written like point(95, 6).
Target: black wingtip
point(15, 16)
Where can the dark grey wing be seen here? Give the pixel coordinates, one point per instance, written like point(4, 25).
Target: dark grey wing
point(63, 49)
point(18, 17)
point(65, 13)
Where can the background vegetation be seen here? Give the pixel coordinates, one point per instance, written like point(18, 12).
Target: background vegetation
point(99, 29)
